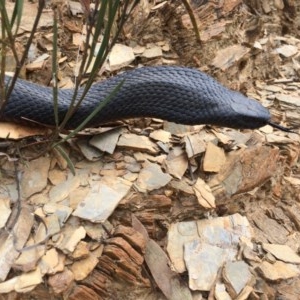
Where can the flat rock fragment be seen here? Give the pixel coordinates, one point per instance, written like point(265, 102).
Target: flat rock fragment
point(287, 50)
point(106, 141)
point(244, 170)
point(152, 177)
point(120, 56)
point(8, 285)
point(273, 231)
point(205, 257)
point(59, 211)
point(278, 271)
point(88, 166)
point(176, 162)
point(282, 252)
point(290, 104)
point(27, 19)
point(82, 268)
point(23, 283)
point(35, 175)
point(38, 63)
point(18, 131)
point(229, 56)
point(102, 199)
point(11, 244)
point(78, 39)
point(97, 232)
point(179, 234)
point(236, 274)
point(221, 293)
point(51, 262)
point(138, 49)
point(28, 281)
point(205, 245)
point(56, 176)
point(214, 30)
point(245, 293)
point(152, 52)
point(70, 238)
point(288, 101)
point(194, 145)
point(76, 8)
point(176, 129)
point(137, 142)
point(53, 226)
point(132, 165)
point(167, 280)
point(239, 138)
point(161, 135)
point(293, 180)
point(27, 261)
point(273, 88)
point(214, 158)
point(144, 157)
point(62, 190)
point(90, 153)
point(81, 251)
point(204, 194)
point(60, 282)
point(277, 139)
point(183, 186)
point(267, 129)
point(4, 211)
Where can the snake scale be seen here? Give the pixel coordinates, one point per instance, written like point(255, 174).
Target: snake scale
point(177, 94)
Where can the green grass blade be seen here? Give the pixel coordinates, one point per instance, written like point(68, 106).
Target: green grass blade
point(93, 114)
point(5, 20)
point(11, 43)
point(104, 48)
point(99, 22)
point(3, 62)
point(54, 69)
point(17, 15)
point(86, 59)
point(66, 157)
point(101, 56)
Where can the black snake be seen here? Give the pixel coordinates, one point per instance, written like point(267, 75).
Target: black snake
point(175, 94)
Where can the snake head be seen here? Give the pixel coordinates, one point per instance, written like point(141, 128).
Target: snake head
point(248, 113)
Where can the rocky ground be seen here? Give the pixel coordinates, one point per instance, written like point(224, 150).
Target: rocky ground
point(159, 210)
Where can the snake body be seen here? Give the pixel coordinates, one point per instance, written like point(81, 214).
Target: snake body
point(176, 94)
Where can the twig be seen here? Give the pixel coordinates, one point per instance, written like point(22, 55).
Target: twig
point(17, 207)
point(193, 20)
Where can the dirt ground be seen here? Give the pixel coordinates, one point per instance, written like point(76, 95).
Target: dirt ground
point(249, 46)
